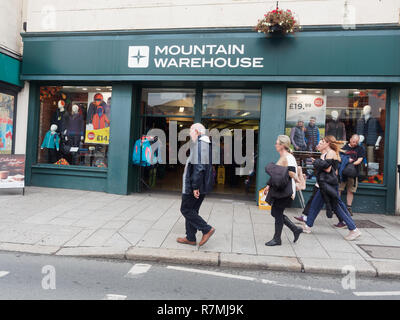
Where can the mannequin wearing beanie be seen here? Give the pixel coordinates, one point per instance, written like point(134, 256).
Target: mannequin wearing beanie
point(60, 116)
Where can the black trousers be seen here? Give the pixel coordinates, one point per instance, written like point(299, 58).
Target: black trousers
point(277, 213)
point(52, 155)
point(190, 210)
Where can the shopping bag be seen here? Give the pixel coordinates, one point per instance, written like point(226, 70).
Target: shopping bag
point(262, 204)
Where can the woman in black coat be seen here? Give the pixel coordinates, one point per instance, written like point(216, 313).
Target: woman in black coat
point(281, 189)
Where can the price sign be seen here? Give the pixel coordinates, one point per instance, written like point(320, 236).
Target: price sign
point(304, 106)
point(100, 136)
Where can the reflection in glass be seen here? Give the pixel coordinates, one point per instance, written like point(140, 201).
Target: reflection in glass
point(168, 102)
point(6, 123)
point(231, 103)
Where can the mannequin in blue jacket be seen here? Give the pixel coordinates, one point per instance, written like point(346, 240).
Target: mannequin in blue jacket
point(51, 142)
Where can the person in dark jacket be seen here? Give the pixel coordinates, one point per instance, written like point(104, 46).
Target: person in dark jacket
point(312, 134)
point(328, 183)
point(197, 182)
point(297, 136)
point(281, 189)
point(329, 150)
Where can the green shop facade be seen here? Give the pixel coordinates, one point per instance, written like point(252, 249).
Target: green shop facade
point(336, 72)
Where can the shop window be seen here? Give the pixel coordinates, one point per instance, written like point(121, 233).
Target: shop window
point(312, 114)
point(7, 105)
point(74, 125)
point(168, 102)
point(231, 103)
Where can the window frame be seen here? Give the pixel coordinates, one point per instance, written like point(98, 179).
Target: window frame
point(38, 85)
point(361, 86)
point(5, 89)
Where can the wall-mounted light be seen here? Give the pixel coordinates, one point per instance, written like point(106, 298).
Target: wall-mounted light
point(181, 109)
point(299, 91)
point(336, 91)
point(245, 114)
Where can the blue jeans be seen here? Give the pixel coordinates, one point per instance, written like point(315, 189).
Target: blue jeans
point(318, 203)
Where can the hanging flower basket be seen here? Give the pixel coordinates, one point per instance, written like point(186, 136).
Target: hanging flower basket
point(278, 21)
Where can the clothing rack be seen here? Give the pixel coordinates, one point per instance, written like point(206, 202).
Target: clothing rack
point(142, 138)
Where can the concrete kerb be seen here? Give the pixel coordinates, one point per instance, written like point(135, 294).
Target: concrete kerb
point(381, 269)
point(173, 256)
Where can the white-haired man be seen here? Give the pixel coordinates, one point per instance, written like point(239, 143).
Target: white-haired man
point(197, 182)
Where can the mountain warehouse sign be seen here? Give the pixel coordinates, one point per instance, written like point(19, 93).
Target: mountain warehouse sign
point(192, 56)
point(121, 56)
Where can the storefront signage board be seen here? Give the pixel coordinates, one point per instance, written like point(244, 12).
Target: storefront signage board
point(12, 171)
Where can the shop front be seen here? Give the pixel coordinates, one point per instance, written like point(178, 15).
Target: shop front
point(93, 96)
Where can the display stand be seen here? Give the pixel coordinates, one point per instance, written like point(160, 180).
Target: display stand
point(140, 161)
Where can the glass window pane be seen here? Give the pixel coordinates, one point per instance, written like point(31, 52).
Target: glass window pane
point(74, 125)
point(168, 102)
point(355, 117)
point(7, 103)
point(231, 103)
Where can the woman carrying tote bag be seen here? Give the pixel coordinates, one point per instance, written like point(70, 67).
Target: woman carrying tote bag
point(281, 189)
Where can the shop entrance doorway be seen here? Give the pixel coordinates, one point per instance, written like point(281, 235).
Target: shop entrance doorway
point(223, 113)
point(159, 108)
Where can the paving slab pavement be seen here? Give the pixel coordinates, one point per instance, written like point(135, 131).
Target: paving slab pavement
point(145, 227)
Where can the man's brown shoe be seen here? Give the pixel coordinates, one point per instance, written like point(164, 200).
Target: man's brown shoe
point(206, 237)
point(186, 241)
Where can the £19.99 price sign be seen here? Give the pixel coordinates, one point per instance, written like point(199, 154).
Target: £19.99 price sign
point(304, 106)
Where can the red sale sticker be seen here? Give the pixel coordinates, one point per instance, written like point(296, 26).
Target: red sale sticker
point(319, 102)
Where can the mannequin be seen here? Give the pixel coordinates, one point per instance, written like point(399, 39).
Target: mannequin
point(370, 132)
point(51, 142)
point(59, 117)
point(74, 130)
point(335, 127)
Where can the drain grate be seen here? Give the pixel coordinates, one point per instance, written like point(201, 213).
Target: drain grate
point(381, 252)
point(367, 224)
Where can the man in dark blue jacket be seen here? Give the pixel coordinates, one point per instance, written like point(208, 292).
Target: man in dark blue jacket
point(197, 182)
